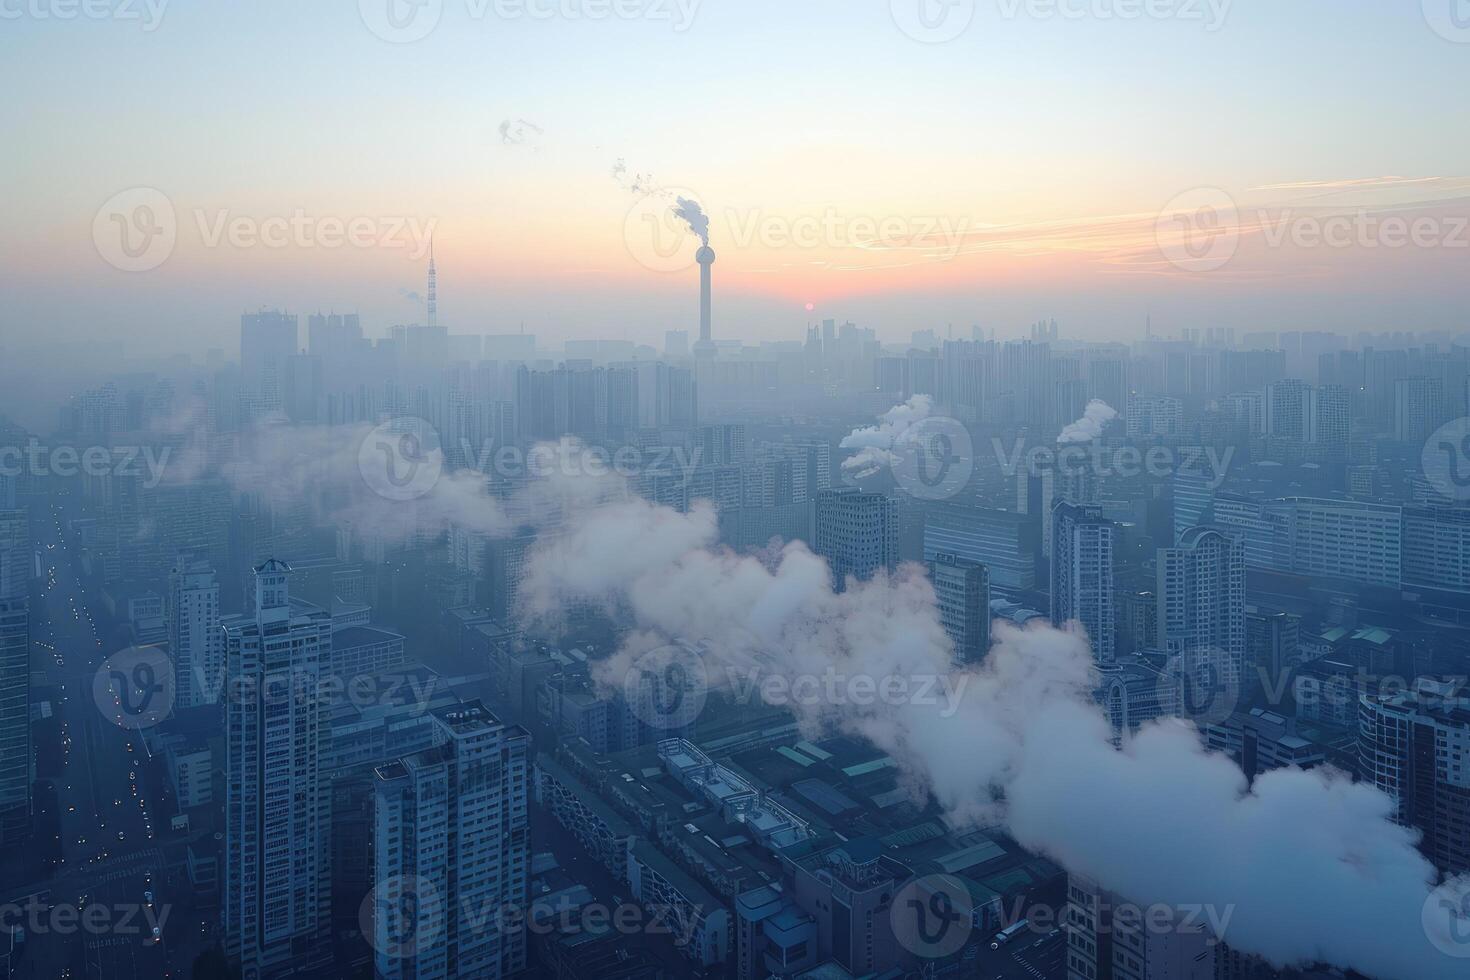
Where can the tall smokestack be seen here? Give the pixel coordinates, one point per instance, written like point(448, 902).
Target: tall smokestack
point(706, 345)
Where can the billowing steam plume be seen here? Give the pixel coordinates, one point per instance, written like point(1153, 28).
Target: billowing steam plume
point(1090, 426)
point(1311, 864)
point(876, 444)
point(693, 215)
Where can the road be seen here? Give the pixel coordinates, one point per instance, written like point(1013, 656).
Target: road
point(93, 917)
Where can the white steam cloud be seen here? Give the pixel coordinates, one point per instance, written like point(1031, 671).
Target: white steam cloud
point(693, 215)
point(878, 445)
point(1090, 426)
point(1311, 864)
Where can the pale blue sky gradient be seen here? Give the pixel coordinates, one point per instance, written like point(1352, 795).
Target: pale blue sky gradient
point(781, 106)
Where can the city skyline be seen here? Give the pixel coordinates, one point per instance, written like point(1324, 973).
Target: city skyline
point(537, 194)
point(735, 490)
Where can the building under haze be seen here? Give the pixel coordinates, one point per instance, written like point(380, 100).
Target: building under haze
point(1201, 595)
point(15, 677)
point(857, 532)
point(962, 589)
point(276, 901)
point(195, 641)
point(1082, 574)
point(452, 850)
point(1415, 746)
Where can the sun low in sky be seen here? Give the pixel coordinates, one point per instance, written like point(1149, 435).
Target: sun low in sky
point(906, 164)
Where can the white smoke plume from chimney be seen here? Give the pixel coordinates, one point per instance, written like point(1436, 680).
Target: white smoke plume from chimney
point(693, 215)
point(1090, 426)
point(875, 444)
point(1310, 864)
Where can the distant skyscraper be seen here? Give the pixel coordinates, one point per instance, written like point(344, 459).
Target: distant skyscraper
point(334, 335)
point(1201, 593)
point(721, 445)
point(276, 881)
point(1331, 420)
point(452, 849)
point(194, 638)
point(1288, 409)
point(856, 532)
point(1082, 574)
point(266, 341)
point(963, 590)
point(1417, 408)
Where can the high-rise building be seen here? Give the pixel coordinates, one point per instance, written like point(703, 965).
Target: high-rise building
point(194, 639)
point(1201, 591)
point(267, 340)
point(721, 445)
point(963, 590)
point(1109, 938)
point(1415, 746)
point(1154, 415)
point(1002, 541)
point(856, 532)
point(1082, 574)
point(1330, 424)
point(1417, 408)
point(15, 677)
point(276, 896)
point(333, 335)
point(452, 849)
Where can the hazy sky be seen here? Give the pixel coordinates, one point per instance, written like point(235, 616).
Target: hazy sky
point(1015, 171)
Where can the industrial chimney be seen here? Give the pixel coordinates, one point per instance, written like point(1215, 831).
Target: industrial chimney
point(706, 345)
